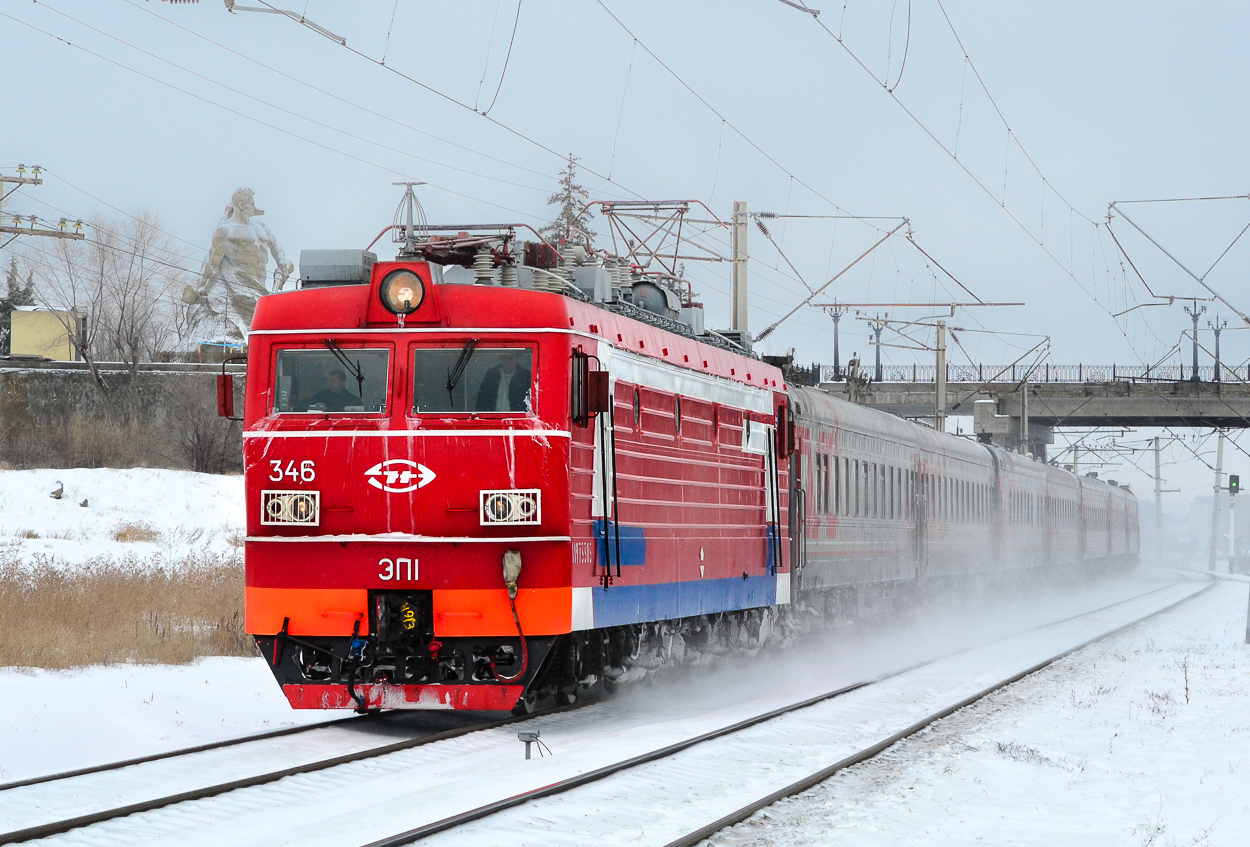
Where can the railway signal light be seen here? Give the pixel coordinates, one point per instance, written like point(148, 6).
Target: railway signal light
point(1234, 483)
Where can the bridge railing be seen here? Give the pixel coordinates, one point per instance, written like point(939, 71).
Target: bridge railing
point(1044, 373)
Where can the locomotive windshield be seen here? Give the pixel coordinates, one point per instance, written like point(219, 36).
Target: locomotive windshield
point(333, 381)
point(472, 378)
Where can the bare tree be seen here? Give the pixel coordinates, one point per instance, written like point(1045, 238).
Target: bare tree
point(70, 283)
point(115, 291)
point(140, 304)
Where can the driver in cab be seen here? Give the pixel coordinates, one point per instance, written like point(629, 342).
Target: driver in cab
point(335, 397)
point(506, 386)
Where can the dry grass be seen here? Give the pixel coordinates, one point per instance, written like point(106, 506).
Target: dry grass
point(136, 531)
point(108, 611)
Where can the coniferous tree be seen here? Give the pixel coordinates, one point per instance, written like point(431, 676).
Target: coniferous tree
point(17, 294)
point(572, 220)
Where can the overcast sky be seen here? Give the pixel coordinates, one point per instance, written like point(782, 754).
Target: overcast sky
point(139, 104)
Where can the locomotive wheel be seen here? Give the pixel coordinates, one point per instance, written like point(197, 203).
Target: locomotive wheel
point(527, 704)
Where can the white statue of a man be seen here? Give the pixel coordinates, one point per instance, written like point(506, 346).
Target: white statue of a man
point(234, 275)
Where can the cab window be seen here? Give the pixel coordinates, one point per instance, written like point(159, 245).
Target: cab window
point(472, 378)
point(335, 382)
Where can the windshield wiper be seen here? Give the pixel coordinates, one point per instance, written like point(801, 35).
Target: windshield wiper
point(354, 367)
point(453, 375)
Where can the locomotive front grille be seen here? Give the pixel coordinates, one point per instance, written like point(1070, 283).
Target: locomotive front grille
point(523, 506)
point(283, 508)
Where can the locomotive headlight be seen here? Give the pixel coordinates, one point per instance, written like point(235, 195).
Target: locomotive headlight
point(512, 506)
point(402, 292)
point(498, 507)
point(278, 508)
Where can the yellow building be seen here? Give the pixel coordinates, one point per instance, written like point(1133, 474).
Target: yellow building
point(43, 332)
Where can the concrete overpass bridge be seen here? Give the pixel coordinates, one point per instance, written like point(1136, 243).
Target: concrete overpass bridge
point(1019, 407)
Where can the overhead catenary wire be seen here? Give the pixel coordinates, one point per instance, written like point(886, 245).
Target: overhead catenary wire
point(1070, 268)
point(390, 118)
point(287, 132)
point(506, 59)
point(457, 102)
point(717, 112)
point(283, 109)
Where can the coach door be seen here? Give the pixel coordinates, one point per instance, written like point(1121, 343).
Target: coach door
point(796, 507)
point(772, 502)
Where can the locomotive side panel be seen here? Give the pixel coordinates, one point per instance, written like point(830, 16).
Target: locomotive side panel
point(686, 465)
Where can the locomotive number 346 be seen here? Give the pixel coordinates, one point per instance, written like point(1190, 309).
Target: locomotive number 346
point(306, 472)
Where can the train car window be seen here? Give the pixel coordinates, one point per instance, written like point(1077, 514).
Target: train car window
point(890, 495)
point(844, 487)
point(677, 415)
point(815, 478)
point(825, 460)
point(856, 485)
point(472, 378)
point(837, 483)
point(819, 478)
point(317, 381)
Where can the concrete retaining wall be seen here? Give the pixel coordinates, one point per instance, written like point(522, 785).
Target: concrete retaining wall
point(55, 416)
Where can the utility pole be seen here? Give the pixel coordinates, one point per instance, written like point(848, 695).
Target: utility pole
point(740, 221)
point(1194, 313)
point(876, 329)
point(1158, 502)
point(1215, 501)
point(939, 380)
point(836, 312)
point(33, 222)
point(1217, 327)
point(1025, 445)
point(1234, 484)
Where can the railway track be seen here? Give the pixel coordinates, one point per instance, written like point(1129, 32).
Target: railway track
point(66, 790)
point(397, 757)
point(740, 814)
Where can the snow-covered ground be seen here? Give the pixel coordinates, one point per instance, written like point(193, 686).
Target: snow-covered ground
point(1140, 740)
point(431, 782)
point(1143, 739)
point(186, 513)
point(55, 721)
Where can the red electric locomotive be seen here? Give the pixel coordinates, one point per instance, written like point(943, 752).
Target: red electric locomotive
point(470, 495)
point(476, 490)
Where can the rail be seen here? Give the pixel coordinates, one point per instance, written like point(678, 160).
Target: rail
point(57, 827)
point(1044, 373)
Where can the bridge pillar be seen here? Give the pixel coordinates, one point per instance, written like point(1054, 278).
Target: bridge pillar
point(1005, 430)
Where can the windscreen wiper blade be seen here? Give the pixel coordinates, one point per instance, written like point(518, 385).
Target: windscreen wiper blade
point(353, 367)
point(453, 375)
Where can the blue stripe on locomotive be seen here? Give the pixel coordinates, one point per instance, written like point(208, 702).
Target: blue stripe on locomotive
point(625, 604)
point(633, 545)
